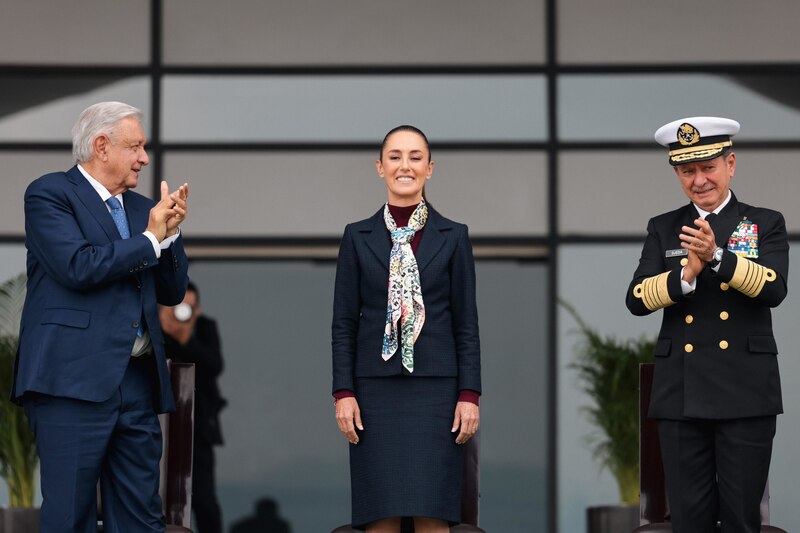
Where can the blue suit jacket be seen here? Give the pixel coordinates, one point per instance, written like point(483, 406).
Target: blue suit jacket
point(88, 289)
point(448, 344)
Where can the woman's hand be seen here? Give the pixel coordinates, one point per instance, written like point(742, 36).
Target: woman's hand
point(468, 418)
point(348, 416)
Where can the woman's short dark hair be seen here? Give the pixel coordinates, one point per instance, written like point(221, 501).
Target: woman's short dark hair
point(405, 127)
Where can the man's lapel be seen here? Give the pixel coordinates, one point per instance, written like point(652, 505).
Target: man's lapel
point(93, 203)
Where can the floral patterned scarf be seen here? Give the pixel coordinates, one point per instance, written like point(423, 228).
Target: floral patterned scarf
point(405, 295)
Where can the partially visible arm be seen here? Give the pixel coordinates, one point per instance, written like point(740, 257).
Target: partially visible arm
point(763, 278)
point(346, 311)
point(465, 314)
point(344, 329)
point(653, 287)
point(172, 274)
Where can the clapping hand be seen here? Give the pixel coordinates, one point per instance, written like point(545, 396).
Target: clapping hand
point(169, 212)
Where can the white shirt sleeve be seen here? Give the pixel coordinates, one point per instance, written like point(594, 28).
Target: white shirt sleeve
point(687, 287)
point(163, 245)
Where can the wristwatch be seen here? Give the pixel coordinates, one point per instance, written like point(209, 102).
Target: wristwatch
point(716, 258)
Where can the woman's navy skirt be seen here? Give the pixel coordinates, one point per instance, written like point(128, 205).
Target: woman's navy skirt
point(406, 462)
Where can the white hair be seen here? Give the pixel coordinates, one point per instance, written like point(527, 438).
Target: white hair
point(95, 120)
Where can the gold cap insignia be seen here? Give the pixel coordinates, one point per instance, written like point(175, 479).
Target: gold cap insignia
point(688, 134)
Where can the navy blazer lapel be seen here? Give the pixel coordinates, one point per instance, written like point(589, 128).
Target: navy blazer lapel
point(93, 203)
point(432, 239)
point(378, 239)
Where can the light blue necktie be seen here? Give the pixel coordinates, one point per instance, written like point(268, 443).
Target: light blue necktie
point(118, 214)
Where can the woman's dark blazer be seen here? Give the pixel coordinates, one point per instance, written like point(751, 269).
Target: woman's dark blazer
point(448, 345)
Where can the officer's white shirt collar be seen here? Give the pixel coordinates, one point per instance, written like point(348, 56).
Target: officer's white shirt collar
point(716, 211)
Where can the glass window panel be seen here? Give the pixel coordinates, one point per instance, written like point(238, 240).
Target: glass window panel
point(513, 320)
point(89, 32)
point(599, 298)
point(617, 192)
point(44, 109)
point(12, 264)
point(19, 169)
point(289, 303)
point(768, 178)
point(681, 31)
point(631, 107)
point(376, 32)
point(316, 194)
point(785, 472)
point(352, 108)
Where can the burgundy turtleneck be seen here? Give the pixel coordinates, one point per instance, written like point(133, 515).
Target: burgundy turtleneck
point(401, 216)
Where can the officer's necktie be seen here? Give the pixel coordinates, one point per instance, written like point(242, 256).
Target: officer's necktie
point(710, 217)
point(118, 214)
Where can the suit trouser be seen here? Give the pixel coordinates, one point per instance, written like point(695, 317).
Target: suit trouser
point(716, 470)
point(117, 441)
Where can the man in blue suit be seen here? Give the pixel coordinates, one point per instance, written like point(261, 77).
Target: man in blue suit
point(91, 371)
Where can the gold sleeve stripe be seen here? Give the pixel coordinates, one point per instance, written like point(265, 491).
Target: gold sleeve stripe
point(653, 292)
point(749, 277)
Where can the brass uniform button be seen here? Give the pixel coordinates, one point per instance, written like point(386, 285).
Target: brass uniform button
point(684, 262)
point(688, 348)
point(689, 319)
point(724, 286)
point(724, 315)
point(723, 345)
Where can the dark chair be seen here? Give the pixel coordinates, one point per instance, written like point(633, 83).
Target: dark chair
point(177, 430)
point(176, 460)
point(653, 504)
point(470, 494)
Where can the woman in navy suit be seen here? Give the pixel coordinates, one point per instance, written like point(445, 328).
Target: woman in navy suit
point(406, 360)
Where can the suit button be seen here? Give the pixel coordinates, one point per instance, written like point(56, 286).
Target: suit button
point(689, 319)
point(724, 315)
point(723, 345)
point(684, 262)
point(688, 348)
point(144, 262)
point(724, 286)
point(130, 270)
point(135, 324)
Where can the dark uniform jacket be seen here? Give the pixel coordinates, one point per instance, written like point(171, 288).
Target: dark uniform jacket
point(716, 357)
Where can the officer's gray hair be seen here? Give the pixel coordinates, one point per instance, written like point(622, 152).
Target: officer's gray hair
point(95, 120)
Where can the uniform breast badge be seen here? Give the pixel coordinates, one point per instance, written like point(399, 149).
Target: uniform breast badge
point(744, 241)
